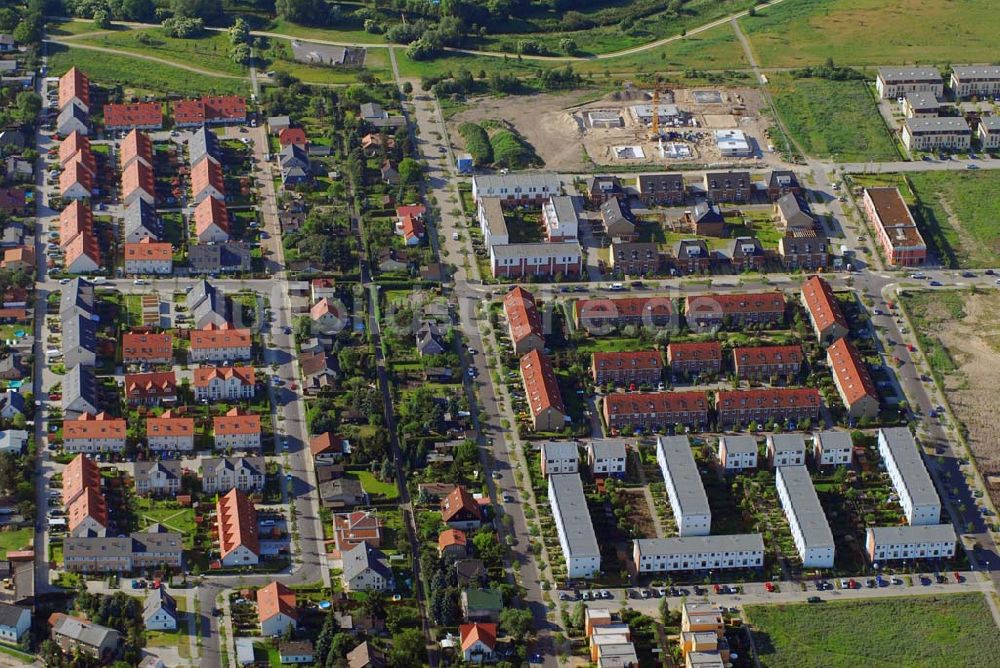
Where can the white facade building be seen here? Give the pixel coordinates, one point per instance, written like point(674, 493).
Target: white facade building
point(909, 476)
point(573, 524)
point(688, 500)
point(559, 457)
point(696, 553)
point(832, 448)
point(810, 529)
point(737, 453)
point(786, 449)
point(926, 541)
point(607, 456)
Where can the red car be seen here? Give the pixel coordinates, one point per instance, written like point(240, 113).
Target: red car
point(718, 589)
point(958, 577)
point(769, 586)
point(853, 584)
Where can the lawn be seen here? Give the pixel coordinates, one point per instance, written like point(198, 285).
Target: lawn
point(77, 27)
point(139, 76)
point(15, 540)
point(850, 129)
point(912, 631)
point(873, 32)
point(930, 313)
point(167, 513)
point(283, 27)
point(387, 491)
point(376, 62)
point(210, 51)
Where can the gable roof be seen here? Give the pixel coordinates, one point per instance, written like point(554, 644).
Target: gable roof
point(159, 601)
point(458, 500)
point(204, 174)
point(204, 143)
point(91, 505)
point(79, 475)
point(478, 632)
point(211, 211)
point(89, 426)
point(235, 422)
point(138, 176)
point(237, 522)
point(853, 378)
point(822, 304)
point(147, 345)
point(362, 557)
point(133, 115)
point(541, 386)
point(135, 145)
point(276, 598)
point(522, 314)
point(74, 84)
point(212, 337)
point(203, 376)
point(141, 219)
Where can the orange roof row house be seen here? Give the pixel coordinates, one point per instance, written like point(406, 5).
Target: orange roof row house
point(203, 376)
point(211, 220)
point(136, 146)
point(145, 115)
point(825, 314)
point(147, 347)
point(81, 493)
point(236, 423)
point(76, 180)
point(98, 426)
point(168, 425)
point(74, 85)
point(623, 311)
point(138, 182)
point(213, 337)
point(542, 391)
point(89, 505)
point(655, 409)
point(81, 473)
point(210, 109)
point(148, 250)
point(236, 524)
point(524, 322)
point(853, 380)
point(695, 357)
point(207, 181)
point(150, 387)
point(74, 143)
point(760, 307)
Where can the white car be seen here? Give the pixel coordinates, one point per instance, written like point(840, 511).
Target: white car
point(454, 236)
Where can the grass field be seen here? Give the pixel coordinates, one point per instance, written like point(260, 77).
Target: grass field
point(930, 312)
point(208, 52)
point(15, 540)
point(913, 631)
point(385, 490)
point(139, 76)
point(282, 27)
point(833, 119)
point(377, 62)
point(874, 32)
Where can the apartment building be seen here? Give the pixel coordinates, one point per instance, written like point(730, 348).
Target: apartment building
point(88, 514)
point(698, 553)
point(733, 310)
point(220, 344)
point(222, 474)
point(903, 462)
point(94, 433)
point(157, 478)
point(935, 133)
point(786, 450)
point(236, 430)
point(688, 500)
point(80, 474)
point(147, 348)
point(169, 433)
point(810, 529)
point(151, 389)
point(210, 110)
point(524, 321)
point(227, 383)
point(607, 457)
point(600, 316)
point(825, 315)
point(542, 392)
point(975, 81)
point(627, 368)
point(536, 259)
point(559, 457)
point(655, 410)
point(728, 187)
point(737, 453)
point(738, 407)
point(237, 529)
point(853, 380)
point(694, 359)
point(635, 258)
point(573, 524)
point(691, 256)
point(804, 249)
point(516, 189)
point(897, 82)
point(661, 189)
point(895, 228)
point(988, 132)
point(766, 362)
point(73, 634)
point(560, 219)
point(923, 541)
point(921, 105)
point(149, 257)
point(832, 448)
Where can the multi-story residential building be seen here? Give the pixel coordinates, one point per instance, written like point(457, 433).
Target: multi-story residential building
point(825, 314)
point(74, 88)
point(94, 433)
point(524, 322)
point(746, 254)
point(688, 500)
point(734, 310)
point(210, 110)
point(238, 530)
point(226, 383)
point(764, 362)
point(602, 188)
point(781, 182)
point(460, 510)
point(220, 344)
point(627, 368)
point(921, 105)
point(909, 476)
point(897, 82)
point(559, 457)
point(222, 474)
point(737, 453)
point(832, 448)
point(988, 132)
point(366, 568)
point(934, 133)
point(141, 115)
point(737, 407)
point(207, 180)
point(236, 430)
point(168, 432)
point(73, 634)
point(635, 258)
point(492, 221)
point(924, 541)
point(149, 257)
point(804, 249)
point(691, 256)
point(661, 189)
point(975, 80)
point(853, 380)
point(158, 478)
point(138, 183)
point(574, 526)
point(147, 348)
point(728, 187)
point(810, 529)
point(542, 392)
point(560, 219)
point(655, 410)
point(786, 450)
point(151, 389)
point(516, 189)
point(694, 359)
point(80, 474)
point(88, 514)
point(617, 220)
point(211, 221)
point(607, 457)
point(895, 228)
point(698, 553)
point(599, 316)
point(141, 224)
point(536, 259)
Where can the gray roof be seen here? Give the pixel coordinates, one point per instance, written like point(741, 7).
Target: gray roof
point(206, 305)
point(294, 155)
point(612, 211)
point(647, 182)
point(739, 444)
point(746, 542)
point(703, 211)
point(681, 247)
point(77, 296)
point(295, 648)
point(429, 337)
point(13, 398)
point(566, 495)
point(141, 220)
point(158, 600)
point(791, 209)
point(890, 74)
point(96, 547)
point(254, 465)
point(923, 100)
point(804, 507)
point(372, 110)
point(560, 450)
point(86, 633)
point(990, 123)
point(909, 534)
point(348, 490)
point(69, 112)
point(11, 614)
point(80, 385)
point(569, 248)
point(79, 334)
point(902, 448)
point(976, 71)
point(171, 467)
point(563, 205)
point(157, 541)
point(608, 448)
point(227, 256)
point(782, 178)
point(526, 183)
point(938, 124)
point(683, 472)
point(361, 557)
point(787, 442)
point(492, 211)
point(833, 440)
point(203, 143)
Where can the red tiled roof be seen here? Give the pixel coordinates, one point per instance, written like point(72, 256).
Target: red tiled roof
point(522, 315)
point(643, 359)
point(89, 504)
point(81, 473)
point(206, 109)
point(83, 245)
point(75, 171)
point(137, 114)
point(71, 145)
point(413, 210)
point(321, 308)
point(700, 352)
point(90, 426)
point(768, 355)
point(169, 426)
point(412, 228)
point(141, 347)
point(822, 304)
point(624, 307)
point(136, 145)
point(236, 422)
point(212, 337)
point(450, 537)
point(459, 499)
point(541, 387)
point(478, 632)
point(206, 173)
point(853, 378)
point(785, 397)
point(236, 520)
point(326, 443)
point(735, 304)
point(276, 598)
point(149, 250)
point(295, 136)
point(205, 375)
point(157, 383)
point(208, 212)
point(74, 84)
point(138, 176)
point(655, 402)
point(75, 219)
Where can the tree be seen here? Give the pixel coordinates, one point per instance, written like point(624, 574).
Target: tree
point(102, 19)
point(302, 11)
point(29, 104)
point(517, 622)
point(196, 9)
point(138, 10)
point(241, 53)
point(410, 171)
point(577, 618)
point(239, 32)
point(408, 649)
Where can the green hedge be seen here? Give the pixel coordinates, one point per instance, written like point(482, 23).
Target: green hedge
point(477, 143)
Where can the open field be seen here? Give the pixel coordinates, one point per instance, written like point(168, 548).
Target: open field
point(873, 32)
point(953, 630)
point(15, 540)
point(850, 129)
point(960, 334)
point(209, 52)
point(139, 76)
point(283, 27)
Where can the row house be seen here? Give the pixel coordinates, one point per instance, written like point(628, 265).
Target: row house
point(81, 474)
point(74, 89)
point(936, 133)
point(524, 321)
point(542, 392)
point(237, 529)
point(560, 219)
point(536, 259)
point(559, 457)
point(635, 258)
point(698, 553)
point(897, 82)
point(76, 635)
point(222, 474)
point(88, 514)
point(825, 314)
point(695, 359)
point(157, 478)
point(147, 348)
point(602, 188)
point(516, 189)
point(607, 457)
point(786, 449)
point(804, 249)
point(806, 520)
point(747, 254)
point(924, 541)
point(781, 182)
point(853, 380)
point(691, 256)
point(627, 368)
point(975, 80)
point(133, 116)
point(207, 181)
point(151, 389)
point(655, 410)
point(149, 257)
point(738, 407)
point(601, 315)
point(661, 189)
point(170, 433)
point(832, 448)
point(220, 344)
point(138, 183)
point(141, 223)
point(211, 221)
point(737, 453)
point(728, 187)
point(210, 110)
point(713, 311)
point(94, 433)
point(764, 362)
point(229, 383)
point(136, 146)
point(236, 430)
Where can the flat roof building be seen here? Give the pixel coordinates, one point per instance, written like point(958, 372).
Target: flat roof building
point(938, 132)
point(925, 541)
point(832, 448)
point(574, 526)
point(696, 553)
point(975, 80)
point(989, 132)
point(895, 227)
point(895, 82)
point(905, 466)
point(921, 104)
point(685, 491)
point(810, 529)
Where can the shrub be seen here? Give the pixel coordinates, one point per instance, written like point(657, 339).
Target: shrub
point(477, 143)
